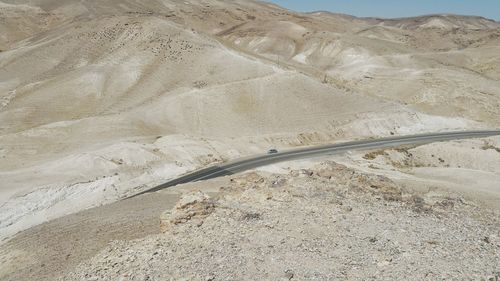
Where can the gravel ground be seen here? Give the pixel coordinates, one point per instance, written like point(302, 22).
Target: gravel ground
point(327, 223)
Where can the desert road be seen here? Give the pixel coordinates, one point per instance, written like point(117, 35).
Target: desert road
point(248, 163)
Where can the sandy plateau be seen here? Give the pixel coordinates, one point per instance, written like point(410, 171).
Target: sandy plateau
point(100, 100)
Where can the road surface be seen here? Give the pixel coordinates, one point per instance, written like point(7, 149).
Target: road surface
point(237, 166)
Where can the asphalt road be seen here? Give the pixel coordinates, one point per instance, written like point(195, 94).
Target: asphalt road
point(237, 166)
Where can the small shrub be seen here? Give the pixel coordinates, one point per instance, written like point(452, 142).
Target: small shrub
point(488, 146)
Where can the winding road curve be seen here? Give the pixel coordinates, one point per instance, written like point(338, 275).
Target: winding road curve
point(241, 165)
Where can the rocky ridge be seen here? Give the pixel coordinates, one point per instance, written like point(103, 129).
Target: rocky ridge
point(329, 222)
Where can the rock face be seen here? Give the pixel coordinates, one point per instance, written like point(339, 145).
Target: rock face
point(194, 205)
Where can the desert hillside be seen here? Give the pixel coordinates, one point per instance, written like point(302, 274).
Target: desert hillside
point(101, 99)
point(113, 95)
point(432, 210)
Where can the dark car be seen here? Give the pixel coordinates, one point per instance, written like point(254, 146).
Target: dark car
point(272, 151)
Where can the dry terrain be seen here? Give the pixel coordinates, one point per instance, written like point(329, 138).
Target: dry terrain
point(101, 99)
point(367, 215)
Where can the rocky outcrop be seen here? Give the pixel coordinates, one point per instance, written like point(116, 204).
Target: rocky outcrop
point(344, 176)
point(328, 222)
point(194, 205)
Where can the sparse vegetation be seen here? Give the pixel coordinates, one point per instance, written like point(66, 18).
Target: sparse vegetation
point(374, 154)
point(200, 84)
point(488, 146)
point(250, 216)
